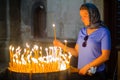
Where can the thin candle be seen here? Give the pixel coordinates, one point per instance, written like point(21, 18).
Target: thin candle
point(54, 28)
point(65, 45)
point(10, 49)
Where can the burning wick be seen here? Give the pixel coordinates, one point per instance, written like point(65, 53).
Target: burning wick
point(54, 31)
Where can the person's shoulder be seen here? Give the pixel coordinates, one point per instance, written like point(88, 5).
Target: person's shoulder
point(104, 29)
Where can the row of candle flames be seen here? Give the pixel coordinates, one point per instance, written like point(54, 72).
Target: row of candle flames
point(32, 60)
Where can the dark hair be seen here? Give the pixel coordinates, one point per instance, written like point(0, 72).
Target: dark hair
point(94, 14)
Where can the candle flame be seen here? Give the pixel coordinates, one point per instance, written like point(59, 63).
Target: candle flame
point(34, 61)
point(53, 25)
point(65, 41)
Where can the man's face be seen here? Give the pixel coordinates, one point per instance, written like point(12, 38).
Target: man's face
point(85, 17)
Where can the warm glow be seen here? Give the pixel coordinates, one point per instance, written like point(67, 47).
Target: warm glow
point(53, 25)
point(32, 60)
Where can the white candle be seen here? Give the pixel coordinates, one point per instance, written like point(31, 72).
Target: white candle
point(40, 51)
point(46, 49)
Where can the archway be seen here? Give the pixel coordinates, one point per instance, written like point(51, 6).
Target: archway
point(39, 21)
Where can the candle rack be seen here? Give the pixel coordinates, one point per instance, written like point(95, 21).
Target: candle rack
point(33, 60)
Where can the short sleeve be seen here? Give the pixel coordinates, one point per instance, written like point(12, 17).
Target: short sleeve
point(106, 40)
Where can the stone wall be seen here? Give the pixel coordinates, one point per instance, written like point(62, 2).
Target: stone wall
point(3, 30)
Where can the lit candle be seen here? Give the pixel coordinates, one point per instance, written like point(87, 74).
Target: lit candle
point(46, 49)
point(10, 49)
point(34, 62)
point(36, 51)
point(54, 31)
point(40, 52)
point(12, 53)
point(27, 48)
point(65, 45)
